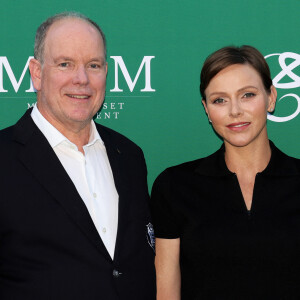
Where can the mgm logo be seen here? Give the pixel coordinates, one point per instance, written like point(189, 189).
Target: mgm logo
point(119, 64)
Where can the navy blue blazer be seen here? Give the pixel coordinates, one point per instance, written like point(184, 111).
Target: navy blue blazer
point(49, 246)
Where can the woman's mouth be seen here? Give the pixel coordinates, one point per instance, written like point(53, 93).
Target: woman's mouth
point(238, 126)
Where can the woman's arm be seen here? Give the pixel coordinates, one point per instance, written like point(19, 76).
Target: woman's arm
point(167, 269)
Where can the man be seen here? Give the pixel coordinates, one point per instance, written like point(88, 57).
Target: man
point(74, 219)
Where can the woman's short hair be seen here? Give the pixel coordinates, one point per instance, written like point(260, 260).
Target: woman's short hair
point(231, 55)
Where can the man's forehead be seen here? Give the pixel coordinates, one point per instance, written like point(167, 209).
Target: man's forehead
point(66, 34)
point(70, 25)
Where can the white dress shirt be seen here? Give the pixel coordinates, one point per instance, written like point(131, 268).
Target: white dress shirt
point(91, 174)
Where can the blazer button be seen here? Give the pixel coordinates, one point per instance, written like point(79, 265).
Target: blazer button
point(116, 273)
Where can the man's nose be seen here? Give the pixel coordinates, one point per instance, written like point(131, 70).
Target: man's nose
point(80, 76)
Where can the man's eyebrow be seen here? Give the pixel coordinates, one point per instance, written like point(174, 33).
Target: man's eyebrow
point(100, 59)
point(62, 58)
point(66, 58)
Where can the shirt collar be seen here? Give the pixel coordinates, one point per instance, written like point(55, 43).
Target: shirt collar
point(94, 135)
point(55, 137)
point(280, 164)
point(214, 164)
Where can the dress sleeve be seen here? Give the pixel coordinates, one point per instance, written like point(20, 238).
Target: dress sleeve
point(164, 218)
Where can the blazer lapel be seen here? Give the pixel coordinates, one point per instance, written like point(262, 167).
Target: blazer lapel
point(115, 155)
point(40, 159)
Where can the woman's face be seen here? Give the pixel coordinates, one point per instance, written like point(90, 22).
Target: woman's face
point(237, 104)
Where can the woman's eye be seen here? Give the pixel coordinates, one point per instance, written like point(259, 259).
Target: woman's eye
point(248, 95)
point(218, 100)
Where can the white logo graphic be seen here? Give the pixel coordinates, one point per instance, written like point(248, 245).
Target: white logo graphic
point(131, 84)
point(16, 84)
point(110, 109)
point(287, 70)
point(119, 63)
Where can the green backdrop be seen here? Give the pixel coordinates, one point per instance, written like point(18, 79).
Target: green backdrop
point(167, 41)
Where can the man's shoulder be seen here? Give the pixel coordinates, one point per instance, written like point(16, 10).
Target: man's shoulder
point(20, 131)
point(7, 143)
point(6, 134)
point(117, 139)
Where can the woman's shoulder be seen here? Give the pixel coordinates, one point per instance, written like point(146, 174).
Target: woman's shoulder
point(283, 164)
point(212, 163)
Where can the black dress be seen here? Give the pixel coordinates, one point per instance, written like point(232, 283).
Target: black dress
point(226, 251)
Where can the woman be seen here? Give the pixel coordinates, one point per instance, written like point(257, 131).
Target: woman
point(228, 225)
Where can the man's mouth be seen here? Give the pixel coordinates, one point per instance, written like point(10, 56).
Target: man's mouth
point(78, 96)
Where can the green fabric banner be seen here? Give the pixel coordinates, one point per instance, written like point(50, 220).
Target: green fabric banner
point(155, 53)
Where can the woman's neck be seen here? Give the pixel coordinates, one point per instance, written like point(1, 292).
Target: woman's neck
point(252, 158)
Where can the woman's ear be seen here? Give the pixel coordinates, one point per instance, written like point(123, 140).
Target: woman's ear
point(205, 106)
point(206, 110)
point(272, 99)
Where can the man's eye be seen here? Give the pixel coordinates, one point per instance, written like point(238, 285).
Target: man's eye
point(64, 64)
point(248, 95)
point(218, 100)
point(95, 66)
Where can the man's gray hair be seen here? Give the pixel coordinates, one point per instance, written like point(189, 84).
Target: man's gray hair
point(41, 32)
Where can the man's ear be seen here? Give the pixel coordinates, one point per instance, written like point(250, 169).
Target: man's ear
point(35, 69)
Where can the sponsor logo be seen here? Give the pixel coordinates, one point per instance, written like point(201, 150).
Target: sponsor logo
point(286, 79)
point(124, 84)
point(4, 64)
point(119, 63)
point(109, 110)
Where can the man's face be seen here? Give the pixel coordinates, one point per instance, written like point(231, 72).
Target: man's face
point(71, 81)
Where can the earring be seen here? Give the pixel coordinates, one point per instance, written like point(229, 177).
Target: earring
point(209, 120)
point(271, 109)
